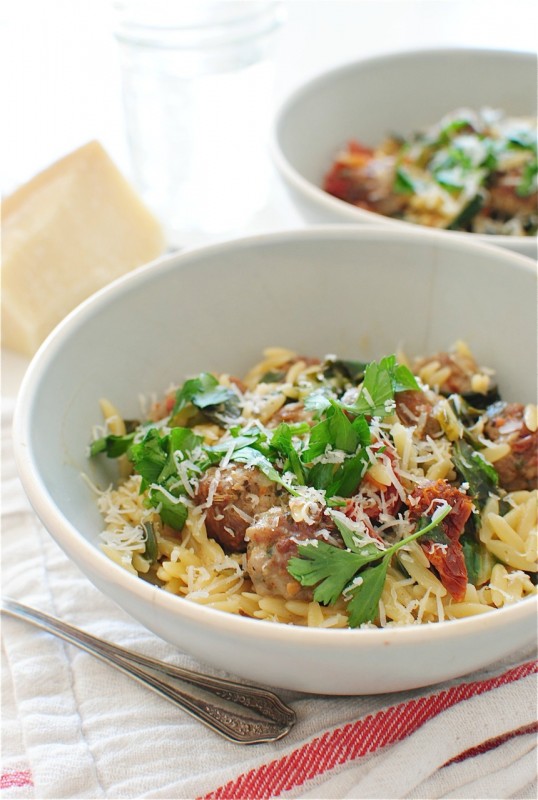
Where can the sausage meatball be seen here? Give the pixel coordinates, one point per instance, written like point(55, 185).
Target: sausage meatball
point(459, 369)
point(272, 540)
point(505, 423)
point(505, 201)
point(291, 413)
point(415, 408)
point(234, 496)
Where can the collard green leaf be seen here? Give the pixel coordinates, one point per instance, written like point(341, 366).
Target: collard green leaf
point(478, 560)
point(467, 214)
point(471, 466)
point(273, 377)
point(151, 550)
point(113, 446)
point(205, 393)
point(352, 371)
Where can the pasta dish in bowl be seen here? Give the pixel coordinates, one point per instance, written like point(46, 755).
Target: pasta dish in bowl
point(331, 493)
point(442, 138)
point(358, 497)
point(471, 171)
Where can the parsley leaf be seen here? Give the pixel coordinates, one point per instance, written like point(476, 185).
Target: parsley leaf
point(320, 475)
point(452, 128)
point(355, 542)
point(326, 565)
point(253, 457)
point(150, 455)
point(335, 430)
point(362, 560)
point(451, 178)
point(155, 458)
point(381, 380)
point(348, 475)
point(215, 452)
point(282, 442)
point(172, 512)
point(318, 401)
point(364, 603)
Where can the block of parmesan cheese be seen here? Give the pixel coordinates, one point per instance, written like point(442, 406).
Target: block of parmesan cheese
point(69, 231)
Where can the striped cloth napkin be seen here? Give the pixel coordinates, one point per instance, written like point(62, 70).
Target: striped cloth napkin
point(74, 727)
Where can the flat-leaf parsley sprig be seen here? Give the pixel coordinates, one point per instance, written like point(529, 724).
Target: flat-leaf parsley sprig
point(357, 572)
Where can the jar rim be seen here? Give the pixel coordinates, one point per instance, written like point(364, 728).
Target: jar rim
point(195, 25)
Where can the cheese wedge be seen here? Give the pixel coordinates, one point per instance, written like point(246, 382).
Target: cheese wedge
point(66, 233)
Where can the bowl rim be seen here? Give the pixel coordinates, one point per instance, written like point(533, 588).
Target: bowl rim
point(323, 199)
point(222, 622)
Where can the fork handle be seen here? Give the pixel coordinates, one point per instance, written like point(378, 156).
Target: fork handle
point(241, 713)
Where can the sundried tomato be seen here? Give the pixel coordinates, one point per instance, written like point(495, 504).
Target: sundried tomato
point(446, 557)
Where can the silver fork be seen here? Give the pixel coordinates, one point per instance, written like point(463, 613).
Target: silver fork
point(241, 713)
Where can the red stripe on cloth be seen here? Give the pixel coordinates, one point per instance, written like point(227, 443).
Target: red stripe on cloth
point(355, 740)
point(17, 778)
point(491, 744)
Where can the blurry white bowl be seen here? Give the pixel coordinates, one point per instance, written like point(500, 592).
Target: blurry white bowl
point(337, 289)
point(397, 93)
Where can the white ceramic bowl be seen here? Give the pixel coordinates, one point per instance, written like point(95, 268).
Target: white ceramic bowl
point(334, 289)
point(396, 93)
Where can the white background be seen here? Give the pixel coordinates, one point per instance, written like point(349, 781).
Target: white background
point(61, 81)
point(61, 77)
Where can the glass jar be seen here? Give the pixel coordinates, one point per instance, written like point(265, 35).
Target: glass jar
point(197, 89)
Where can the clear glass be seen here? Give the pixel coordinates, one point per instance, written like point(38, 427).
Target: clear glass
point(197, 88)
